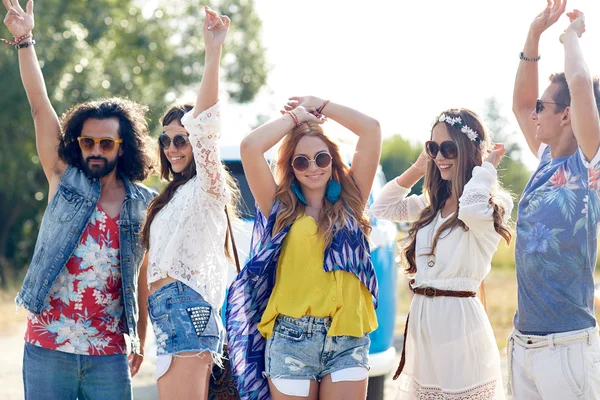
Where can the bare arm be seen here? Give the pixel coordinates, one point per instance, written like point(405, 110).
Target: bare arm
point(252, 150)
point(142, 325)
point(368, 148)
point(47, 127)
point(583, 110)
point(215, 30)
point(526, 83)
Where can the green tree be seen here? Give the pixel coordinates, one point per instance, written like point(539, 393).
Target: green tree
point(397, 154)
point(92, 49)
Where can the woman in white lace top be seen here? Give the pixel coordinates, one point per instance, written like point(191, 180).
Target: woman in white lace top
point(186, 235)
point(457, 223)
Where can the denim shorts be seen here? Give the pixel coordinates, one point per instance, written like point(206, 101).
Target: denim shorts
point(184, 322)
point(299, 348)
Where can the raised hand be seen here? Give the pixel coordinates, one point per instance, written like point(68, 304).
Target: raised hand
point(495, 155)
point(18, 21)
point(421, 163)
point(577, 26)
point(548, 17)
point(215, 29)
point(311, 103)
point(305, 115)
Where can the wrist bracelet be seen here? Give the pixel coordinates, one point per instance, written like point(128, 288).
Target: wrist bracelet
point(24, 45)
point(522, 57)
point(17, 41)
point(294, 118)
point(320, 109)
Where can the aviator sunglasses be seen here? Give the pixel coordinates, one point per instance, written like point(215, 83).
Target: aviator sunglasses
point(301, 163)
point(448, 149)
point(179, 141)
point(106, 144)
point(539, 105)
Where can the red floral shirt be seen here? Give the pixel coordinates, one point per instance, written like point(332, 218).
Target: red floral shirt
point(83, 310)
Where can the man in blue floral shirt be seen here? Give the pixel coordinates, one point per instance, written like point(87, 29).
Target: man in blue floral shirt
point(555, 343)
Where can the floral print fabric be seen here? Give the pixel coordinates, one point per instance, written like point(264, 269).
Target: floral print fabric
point(83, 311)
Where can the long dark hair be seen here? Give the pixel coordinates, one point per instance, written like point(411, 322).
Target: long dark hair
point(176, 113)
point(437, 191)
point(136, 163)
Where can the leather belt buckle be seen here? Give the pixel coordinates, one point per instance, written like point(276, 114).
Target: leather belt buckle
point(430, 292)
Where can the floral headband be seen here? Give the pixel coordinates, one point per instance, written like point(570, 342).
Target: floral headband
point(457, 121)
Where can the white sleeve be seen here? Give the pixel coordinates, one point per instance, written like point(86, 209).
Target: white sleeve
point(474, 207)
point(205, 131)
point(392, 204)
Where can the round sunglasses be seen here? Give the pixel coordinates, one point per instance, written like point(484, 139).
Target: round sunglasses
point(179, 141)
point(301, 163)
point(539, 105)
point(88, 143)
point(448, 149)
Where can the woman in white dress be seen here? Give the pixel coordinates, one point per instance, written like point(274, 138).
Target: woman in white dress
point(457, 224)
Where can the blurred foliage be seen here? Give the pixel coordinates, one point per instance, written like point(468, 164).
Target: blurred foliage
point(92, 49)
point(398, 154)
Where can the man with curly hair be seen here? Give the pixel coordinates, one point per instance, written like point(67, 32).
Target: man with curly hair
point(81, 289)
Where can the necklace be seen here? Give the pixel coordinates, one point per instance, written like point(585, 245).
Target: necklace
point(431, 257)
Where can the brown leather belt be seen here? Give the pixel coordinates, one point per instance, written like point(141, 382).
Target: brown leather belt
point(431, 293)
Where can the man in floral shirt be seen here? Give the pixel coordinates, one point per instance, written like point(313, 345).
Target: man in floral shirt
point(81, 288)
point(555, 349)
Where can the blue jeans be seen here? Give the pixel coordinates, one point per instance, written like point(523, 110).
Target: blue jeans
point(299, 348)
point(51, 374)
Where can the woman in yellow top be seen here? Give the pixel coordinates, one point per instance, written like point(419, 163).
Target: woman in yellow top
point(321, 307)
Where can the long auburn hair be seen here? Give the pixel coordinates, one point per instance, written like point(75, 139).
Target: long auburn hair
point(437, 191)
point(348, 209)
point(175, 180)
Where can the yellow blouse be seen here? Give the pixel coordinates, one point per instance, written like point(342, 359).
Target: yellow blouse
point(303, 288)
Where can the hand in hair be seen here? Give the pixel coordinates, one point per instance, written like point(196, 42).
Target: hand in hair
point(548, 17)
point(577, 25)
point(495, 155)
point(215, 29)
point(18, 21)
point(421, 163)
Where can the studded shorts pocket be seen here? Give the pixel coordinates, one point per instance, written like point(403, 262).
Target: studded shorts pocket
point(200, 316)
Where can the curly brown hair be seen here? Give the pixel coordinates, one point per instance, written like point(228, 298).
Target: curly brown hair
point(136, 163)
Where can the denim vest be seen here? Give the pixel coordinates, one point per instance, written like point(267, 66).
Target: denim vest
point(64, 221)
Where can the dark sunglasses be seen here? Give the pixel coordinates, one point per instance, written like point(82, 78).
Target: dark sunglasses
point(106, 144)
point(179, 141)
point(301, 163)
point(448, 149)
point(539, 105)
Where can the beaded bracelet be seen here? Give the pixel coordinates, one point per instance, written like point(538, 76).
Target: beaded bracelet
point(320, 109)
point(17, 41)
point(24, 45)
point(294, 118)
point(522, 57)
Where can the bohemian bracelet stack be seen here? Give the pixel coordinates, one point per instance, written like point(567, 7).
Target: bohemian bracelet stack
point(320, 109)
point(522, 57)
point(294, 118)
point(20, 43)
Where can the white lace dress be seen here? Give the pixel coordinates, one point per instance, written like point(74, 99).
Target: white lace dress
point(451, 352)
point(187, 236)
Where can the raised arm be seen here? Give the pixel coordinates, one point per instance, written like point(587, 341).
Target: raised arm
point(584, 109)
point(526, 83)
point(253, 149)
point(392, 203)
point(368, 149)
point(47, 128)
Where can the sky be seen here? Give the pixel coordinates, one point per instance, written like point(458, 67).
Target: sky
point(403, 62)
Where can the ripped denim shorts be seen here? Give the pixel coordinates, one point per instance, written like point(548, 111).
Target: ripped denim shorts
point(299, 348)
point(184, 322)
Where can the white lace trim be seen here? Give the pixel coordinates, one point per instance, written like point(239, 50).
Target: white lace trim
point(187, 236)
point(475, 197)
point(484, 391)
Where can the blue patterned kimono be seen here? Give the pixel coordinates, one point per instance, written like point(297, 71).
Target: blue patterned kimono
point(250, 292)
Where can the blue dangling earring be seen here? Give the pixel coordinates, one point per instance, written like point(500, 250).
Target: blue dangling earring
point(296, 190)
point(334, 190)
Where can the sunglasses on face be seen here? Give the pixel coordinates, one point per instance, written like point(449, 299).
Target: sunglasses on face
point(539, 105)
point(448, 149)
point(321, 160)
point(179, 141)
point(106, 144)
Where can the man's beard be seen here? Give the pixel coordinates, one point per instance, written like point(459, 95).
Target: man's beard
point(99, 171)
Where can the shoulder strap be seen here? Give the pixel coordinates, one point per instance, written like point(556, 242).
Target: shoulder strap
point(235, 254)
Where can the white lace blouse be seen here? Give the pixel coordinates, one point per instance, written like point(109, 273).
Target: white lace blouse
point(462, 259)
point(187, 236)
